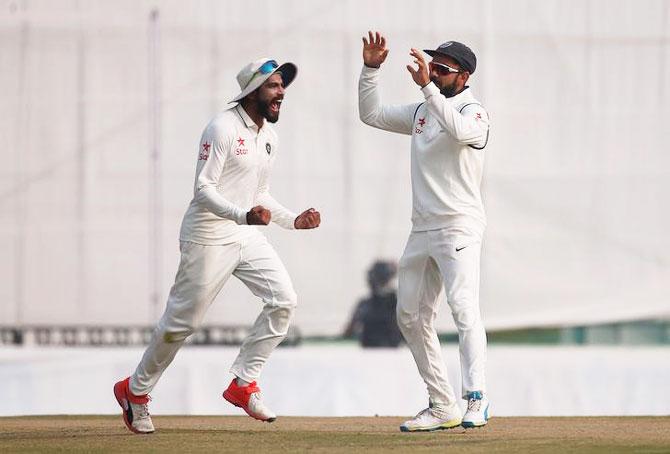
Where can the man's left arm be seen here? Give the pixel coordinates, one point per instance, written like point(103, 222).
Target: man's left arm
point(470, 126)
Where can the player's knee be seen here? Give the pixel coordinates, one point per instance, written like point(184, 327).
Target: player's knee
point(465, 318)
point(291, 296)
point(280, 317)
point(288, 299)
point(407, 321)
point(281, 310)
point(172, 333)
point(173, 336)
point(283, 295)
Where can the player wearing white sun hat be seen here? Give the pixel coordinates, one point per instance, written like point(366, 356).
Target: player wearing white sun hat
point(218, 240)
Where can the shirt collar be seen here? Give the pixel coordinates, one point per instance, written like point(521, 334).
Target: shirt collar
point(246, 118)
point(466, 94)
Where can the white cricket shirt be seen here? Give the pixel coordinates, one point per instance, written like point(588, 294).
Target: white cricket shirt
point(447, 152)
point(231, 177)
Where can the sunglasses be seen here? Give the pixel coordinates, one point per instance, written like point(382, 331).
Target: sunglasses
point(442, 69)
point(268, 67)
point(265, 68)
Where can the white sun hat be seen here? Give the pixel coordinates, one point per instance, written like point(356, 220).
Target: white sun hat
point(255, 73)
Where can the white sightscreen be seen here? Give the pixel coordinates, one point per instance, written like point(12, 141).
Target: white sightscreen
point(577, 168)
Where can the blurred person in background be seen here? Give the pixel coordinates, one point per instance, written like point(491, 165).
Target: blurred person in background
point(217, 240)
point(449, 131)
point(374, 321)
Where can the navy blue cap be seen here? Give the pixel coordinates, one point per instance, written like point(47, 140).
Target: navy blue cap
point(459, 52)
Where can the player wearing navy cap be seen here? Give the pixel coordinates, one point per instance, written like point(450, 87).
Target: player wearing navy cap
point(449, 131)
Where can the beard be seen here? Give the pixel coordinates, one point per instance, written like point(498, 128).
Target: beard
point(447, 91)
point(263, 107)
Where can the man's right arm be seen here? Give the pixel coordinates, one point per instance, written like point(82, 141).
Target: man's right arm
point(371, 111)
point(212, 156)
point(394, 118)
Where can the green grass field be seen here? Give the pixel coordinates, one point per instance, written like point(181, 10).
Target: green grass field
point(291, 434)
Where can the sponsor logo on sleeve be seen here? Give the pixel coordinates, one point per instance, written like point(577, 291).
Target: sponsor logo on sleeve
point(419, 125)
point(204, 152)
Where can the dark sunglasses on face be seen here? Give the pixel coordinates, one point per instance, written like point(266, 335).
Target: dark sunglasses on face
point(442, 69)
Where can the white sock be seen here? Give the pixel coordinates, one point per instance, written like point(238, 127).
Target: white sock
point(241, 382)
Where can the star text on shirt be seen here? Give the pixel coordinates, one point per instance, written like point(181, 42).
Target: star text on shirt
point(204, 153)
point(241, 149)
point(421, 122)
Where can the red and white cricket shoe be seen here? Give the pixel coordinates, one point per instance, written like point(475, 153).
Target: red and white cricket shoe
point(135, 408)
point(248, 398)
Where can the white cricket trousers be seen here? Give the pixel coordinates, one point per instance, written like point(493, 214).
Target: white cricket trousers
point(433, 259)
point(202, 272)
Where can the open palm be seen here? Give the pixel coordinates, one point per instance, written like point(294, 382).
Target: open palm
point(374, 50)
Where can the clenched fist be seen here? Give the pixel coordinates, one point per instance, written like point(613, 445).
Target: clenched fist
point(308, 219)
point(258, 216)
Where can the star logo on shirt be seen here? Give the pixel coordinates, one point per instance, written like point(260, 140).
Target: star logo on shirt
point(478, 116)
point(204, 154)
point(241, 150)
point(422, 121)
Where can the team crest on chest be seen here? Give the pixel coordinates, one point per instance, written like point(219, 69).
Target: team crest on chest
point(268, 147)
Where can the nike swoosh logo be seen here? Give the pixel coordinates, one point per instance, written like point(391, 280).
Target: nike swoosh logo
point(459, 249)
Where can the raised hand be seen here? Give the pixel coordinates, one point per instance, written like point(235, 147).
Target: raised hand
point(258, 215)
point(421, 76)
point(374, 50)
point(308, 219)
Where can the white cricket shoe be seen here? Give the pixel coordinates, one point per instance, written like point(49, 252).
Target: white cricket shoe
point(477, 414)
point(435, 417)
point(135, 408)
point(259, 410)
point(248, 398)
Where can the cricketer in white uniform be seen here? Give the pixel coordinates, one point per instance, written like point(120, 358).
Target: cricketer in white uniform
point(217, 240)
point(449, 131)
